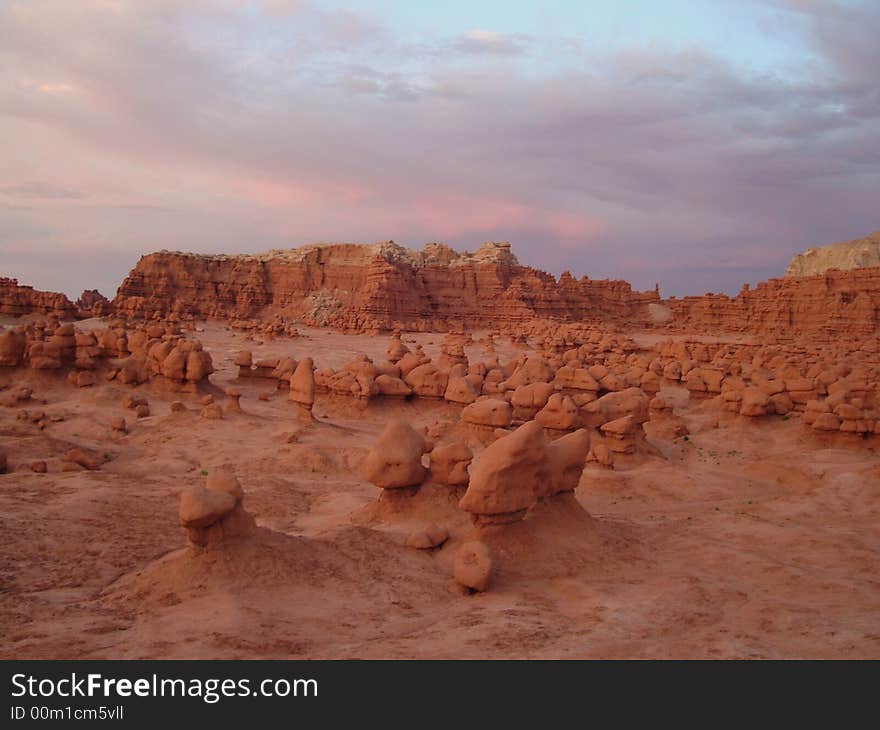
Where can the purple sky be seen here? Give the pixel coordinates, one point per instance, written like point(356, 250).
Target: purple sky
point(697, 151)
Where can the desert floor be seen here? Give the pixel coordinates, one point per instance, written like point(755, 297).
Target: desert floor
point(751, 538)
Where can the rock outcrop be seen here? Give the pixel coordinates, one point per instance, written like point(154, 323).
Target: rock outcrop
point(17, 299)
point(825, 305)
point(858, 254)
point(372, 287)
point(92, 303)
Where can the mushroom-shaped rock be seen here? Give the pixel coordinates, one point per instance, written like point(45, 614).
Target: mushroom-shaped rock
point(174, 365)
point(200, 507)
point(215, 512)
point(533, 370)
point(223, 479)
point(472, 567)
point(449, 463)
point(566, 458)
point(427, 381)
point(561, 413)
point(233, 405)
point(488, 412)
point(198, 364)
point(532, 396)
point(568, 377)
point(410, 361)
point(396, 458)
point(621, 434)
point(503, 478)
point(302, 384)
point(460, 390)
point(396, 349)
point(364, 372)
point(631, 401)
point(391, 385)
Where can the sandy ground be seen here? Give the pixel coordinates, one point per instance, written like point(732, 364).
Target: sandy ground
point(750, 538)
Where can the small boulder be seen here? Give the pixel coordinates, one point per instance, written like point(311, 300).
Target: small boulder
point(431, 537)
point(472, 567)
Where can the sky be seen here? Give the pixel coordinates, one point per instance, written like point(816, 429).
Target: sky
point(694, 144)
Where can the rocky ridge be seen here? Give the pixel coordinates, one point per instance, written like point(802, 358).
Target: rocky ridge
point(372, 287)
point(17, 299)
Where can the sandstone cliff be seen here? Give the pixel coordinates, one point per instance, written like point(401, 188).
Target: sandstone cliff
point(17, 299)
point(858, 254)
point(371, 287)
point(834, 303)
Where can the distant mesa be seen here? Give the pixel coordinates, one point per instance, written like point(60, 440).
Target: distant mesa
point(861, 253)
point(373, 287)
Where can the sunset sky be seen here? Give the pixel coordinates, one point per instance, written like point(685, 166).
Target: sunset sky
point(694, 144)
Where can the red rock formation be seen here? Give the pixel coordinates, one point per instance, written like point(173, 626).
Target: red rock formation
point(92, 302)
point(381, 286)
point(16, 300)
point(833, 303)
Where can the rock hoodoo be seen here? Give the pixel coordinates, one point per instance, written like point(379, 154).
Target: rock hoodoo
point(396, 458)
point(214, 513)
point(302, 386)
point(503, 478)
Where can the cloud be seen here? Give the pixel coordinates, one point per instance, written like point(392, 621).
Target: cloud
point(42, 190)
point(220, 126)
point(491, 42)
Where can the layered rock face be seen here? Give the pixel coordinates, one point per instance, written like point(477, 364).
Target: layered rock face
point(859, 254)
point(17, 299)
point(830, 304)
point(371, 287)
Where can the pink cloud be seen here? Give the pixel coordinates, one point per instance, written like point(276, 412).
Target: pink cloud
point(284, 194)
point(450, 215)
